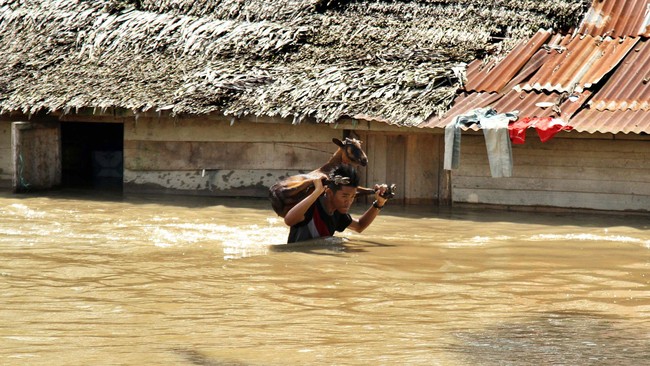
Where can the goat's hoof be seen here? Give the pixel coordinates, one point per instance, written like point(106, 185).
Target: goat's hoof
point(390, 192)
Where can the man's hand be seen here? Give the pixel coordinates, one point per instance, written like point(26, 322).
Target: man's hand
point(318, 184)
point(380, 190)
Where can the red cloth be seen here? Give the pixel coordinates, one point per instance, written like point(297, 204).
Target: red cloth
point(517, 130)
point(546, 128)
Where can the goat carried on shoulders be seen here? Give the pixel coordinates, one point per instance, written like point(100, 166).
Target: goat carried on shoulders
point(287, 192)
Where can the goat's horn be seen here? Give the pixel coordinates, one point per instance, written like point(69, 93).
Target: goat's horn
point(337, 179)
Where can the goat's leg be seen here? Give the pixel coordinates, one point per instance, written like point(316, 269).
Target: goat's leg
point(364, 191)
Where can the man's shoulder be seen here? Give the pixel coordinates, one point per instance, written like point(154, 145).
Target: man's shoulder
point(309, 214)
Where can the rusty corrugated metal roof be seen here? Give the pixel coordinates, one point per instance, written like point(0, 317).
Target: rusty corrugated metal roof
point(560, 76)
point(535, 104)
point(629, 85)
point(463, 104)
point(617, 18)
point(591, 120)
point(541, 104)
point(578, 63)
point(564, 64)
point(586, 120)
point(492, 77)
point(528, 104)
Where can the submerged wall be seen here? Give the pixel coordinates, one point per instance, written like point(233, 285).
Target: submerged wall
point(412, 161)
point(214, 156)
point(573, 170)
point(218, 157)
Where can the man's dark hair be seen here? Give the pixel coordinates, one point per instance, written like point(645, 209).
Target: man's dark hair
point(343, 171)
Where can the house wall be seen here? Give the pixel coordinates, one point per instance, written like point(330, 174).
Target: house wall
point(6, 164)
point(213, 157)
point(411, 161)
point(217, 156)
point(576, 170)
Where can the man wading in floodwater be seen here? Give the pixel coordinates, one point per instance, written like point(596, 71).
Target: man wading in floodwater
point(325, 210)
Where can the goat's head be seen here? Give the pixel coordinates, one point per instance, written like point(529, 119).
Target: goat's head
point(352, 153)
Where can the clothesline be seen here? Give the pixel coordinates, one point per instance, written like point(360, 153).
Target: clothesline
point(500, 131)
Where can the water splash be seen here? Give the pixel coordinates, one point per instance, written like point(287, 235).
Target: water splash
point(20, 209)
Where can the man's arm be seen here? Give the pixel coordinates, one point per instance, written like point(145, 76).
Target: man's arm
point(368, 217)
point(297, 212)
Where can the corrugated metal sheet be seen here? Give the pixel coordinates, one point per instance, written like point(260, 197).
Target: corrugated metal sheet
point(578, 63)
point(586, 120)
point(617, 18)
point(493, 77)
point(591, 120)
point(557, 78)
point(462, 104)
point(541, 104)
point(529, 104)
point(629, 85)
point(563, 63)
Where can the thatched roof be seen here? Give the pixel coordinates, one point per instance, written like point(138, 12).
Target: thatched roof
point(392, 60)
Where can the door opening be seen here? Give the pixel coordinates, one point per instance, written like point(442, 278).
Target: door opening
point(92, 155)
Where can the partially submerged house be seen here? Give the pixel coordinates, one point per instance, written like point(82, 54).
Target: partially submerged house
point(593, 80)
point(225, 97)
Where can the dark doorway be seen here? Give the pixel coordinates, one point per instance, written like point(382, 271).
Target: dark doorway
point(92, 155)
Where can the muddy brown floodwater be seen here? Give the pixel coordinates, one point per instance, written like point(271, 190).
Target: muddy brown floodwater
point(90, 279)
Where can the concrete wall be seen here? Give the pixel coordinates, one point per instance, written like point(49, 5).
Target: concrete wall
point(573, 170)
point(38, 146)
point(216, 157)
point(213, 157)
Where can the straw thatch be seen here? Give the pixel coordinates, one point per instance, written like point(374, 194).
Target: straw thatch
point(324, 59)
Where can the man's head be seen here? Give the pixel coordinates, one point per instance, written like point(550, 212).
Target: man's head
point(340, 192)
point(342, 175)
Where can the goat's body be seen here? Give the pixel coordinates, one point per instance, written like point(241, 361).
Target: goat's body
point(289, 191)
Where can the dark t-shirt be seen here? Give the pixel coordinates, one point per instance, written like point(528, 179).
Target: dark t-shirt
point(318, 223)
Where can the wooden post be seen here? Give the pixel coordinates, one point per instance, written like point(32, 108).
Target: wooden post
point(444, 184)
point(17, 181)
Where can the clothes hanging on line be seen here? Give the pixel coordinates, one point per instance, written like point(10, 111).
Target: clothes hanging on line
point(546, 127)
point(497, 139)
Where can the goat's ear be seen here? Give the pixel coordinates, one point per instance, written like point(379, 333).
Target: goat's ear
point(337, 142)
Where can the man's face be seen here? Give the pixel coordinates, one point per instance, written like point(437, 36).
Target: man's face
point(343, 198)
